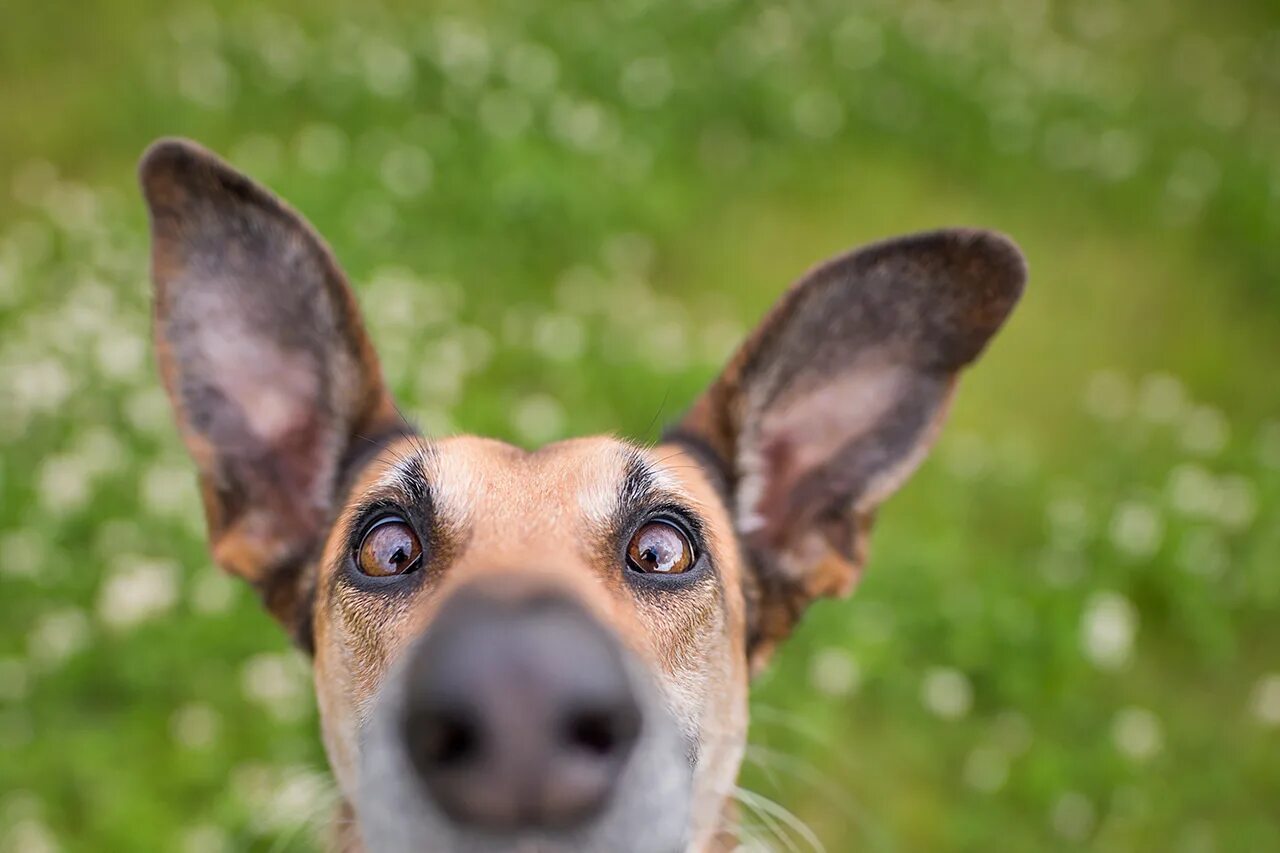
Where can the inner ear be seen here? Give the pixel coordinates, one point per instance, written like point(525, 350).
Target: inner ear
point(837, 396)
point(265, 359)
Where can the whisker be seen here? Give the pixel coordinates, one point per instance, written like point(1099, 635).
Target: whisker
point(834, 794)
point(649, 429)
point(752, 802)
point(764, 805)
point(789, 721)
point(326, 800)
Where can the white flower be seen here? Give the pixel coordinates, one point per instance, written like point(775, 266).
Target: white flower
point(14, 682)
point(647, 82)
point(29, 835)
point(195, 726)
point(1073, 816)
point(282, 798)
point(559, 337)
point(858, 43)
point(147, 410)
point(277, 682)
point(23, 553)
point(1192, 490)
point(39, 386)
point(1205, 431)
point(1269, 445)
point(818, 114)
point(1136, 529)
point(121, 355)
point(947, 693)
point(213, 592)
point(1107, 630)
point(205, 79)
point(1266, 700)
point(206, 838)
point(834, 672)
point(532, 67)
point(1162, 398)
point(136, 590)
point(407, 170)
point(1107, 396)
point(1237, 505)
point(463, 52)
point(169, 490)
point(57, 636)
point(582, 124)
point(322, 148)
point(388, 68)
point(281, 46)
point(101, 452)
point(1136, 732)
point(538, 418)
point(986, 769)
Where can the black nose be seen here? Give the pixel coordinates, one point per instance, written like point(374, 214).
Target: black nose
point(520, 714)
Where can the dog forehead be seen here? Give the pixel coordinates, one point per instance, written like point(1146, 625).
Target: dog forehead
point(568, 484)
point(476, 482)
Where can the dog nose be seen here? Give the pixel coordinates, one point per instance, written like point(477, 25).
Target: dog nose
point(520, 714)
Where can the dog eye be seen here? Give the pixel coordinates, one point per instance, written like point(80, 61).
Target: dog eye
point(660, 548)
point(389, 548)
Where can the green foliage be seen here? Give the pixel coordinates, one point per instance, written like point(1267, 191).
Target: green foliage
point(560, 217)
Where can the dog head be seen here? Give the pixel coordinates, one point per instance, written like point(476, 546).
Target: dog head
point(544, 650)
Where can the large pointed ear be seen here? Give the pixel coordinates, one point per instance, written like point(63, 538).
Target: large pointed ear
point(835, 399)
point(275, 385)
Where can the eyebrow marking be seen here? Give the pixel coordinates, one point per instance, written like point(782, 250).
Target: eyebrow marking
point(644, 482)
point(404, 478)
point(638, 480)
point(408, 475)
point(646, 485)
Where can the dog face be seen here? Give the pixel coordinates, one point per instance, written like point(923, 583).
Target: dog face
point(543, 650)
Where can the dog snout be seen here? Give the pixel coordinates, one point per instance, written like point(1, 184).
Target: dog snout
point(520, 714)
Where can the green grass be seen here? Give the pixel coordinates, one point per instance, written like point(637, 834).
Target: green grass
point(1114, 461)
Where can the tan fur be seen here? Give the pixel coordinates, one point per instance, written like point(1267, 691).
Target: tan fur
point(526, 517)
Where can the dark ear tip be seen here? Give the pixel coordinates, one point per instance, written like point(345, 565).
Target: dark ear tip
point(165, 162)
point(993, 257)
point(177, 175)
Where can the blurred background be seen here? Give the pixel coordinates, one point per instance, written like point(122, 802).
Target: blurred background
point(560, 217)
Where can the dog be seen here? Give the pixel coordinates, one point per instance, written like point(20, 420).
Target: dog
point(542, 650)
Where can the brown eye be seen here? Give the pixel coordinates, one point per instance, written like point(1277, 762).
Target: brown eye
point(390, 548)
point(660, 548)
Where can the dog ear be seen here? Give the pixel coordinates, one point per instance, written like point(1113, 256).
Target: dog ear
point(265, 360)
point(834, 400)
